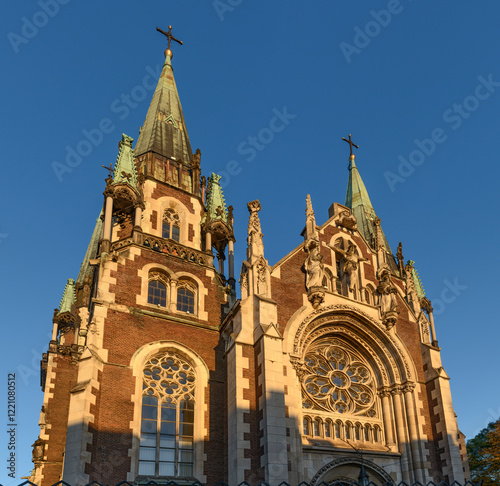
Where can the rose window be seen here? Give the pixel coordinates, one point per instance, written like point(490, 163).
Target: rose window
point(336, 380)
point(169, 376)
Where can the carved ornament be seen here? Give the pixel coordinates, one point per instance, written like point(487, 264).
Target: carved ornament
point(347, 220)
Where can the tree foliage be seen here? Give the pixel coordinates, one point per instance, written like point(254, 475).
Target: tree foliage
point(484, 455)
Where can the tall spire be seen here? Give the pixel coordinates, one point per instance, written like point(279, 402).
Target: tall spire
point(164, 131)
point(358, 201)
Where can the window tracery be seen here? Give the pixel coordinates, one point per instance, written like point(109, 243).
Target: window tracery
point(171, 225)
point(337, 380)
point(167, 421)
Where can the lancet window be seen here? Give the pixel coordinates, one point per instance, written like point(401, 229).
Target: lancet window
point(171, 226)
point(186, 297)
point(158, 289)
point(167, 421)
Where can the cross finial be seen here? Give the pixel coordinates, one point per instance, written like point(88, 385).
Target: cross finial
point(351, 144)
point(169, 36)
point(110, 168)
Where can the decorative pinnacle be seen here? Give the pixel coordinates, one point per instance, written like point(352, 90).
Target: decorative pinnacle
point(170, 38)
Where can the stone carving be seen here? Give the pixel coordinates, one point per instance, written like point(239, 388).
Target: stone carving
point(351, 264)
point(38, 450)
point(314, 268)
point(399, 256)
point(426, 305)
point(338, 380)
point(255, 242)
point(387, 297)
point(306, 327)
point(348, 220)
point(195, 161)
point(175, 375)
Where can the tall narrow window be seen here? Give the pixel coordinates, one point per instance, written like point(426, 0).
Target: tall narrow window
point(185, 300)
point(157, 293)
point(167, 422)
point(171, 225)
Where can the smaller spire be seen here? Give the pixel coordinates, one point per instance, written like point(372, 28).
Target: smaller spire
point(125, 170)
point(310, 220)
point(215, 203)
point(419, 288)
point(69, 297)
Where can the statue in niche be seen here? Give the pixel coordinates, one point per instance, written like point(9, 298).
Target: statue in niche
point(351, 263)
point(387, 302)
point(314, 266)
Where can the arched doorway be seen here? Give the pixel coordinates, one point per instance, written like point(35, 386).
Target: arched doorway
point(345, 470)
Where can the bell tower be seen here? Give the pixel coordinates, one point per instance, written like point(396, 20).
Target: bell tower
point(133, 380)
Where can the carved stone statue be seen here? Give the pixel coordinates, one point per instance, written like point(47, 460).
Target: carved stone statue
point(351, 263)
point(38, 450)
point(387, 302)
point(314, 268)
point(255, 243)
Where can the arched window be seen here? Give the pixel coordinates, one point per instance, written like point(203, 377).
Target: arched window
point(186, 298)
point(157, 293)
point(167, 421)
point(305, 424)
point(171, 225)
point(316, 428)
point(327, 429)
point(357, 432)
point(367, 433)
point(338, 429)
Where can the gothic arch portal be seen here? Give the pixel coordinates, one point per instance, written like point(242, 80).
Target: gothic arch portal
point(347, 469)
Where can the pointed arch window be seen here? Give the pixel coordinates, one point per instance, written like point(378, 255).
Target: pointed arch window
point(167, 421)
point(157, 293)
point(186, 298)
point(171, 226)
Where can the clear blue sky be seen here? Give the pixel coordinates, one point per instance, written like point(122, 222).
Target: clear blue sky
point(427, 70)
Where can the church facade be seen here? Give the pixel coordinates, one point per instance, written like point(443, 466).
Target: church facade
point(327, 368)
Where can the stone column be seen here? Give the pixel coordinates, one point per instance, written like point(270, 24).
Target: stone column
point(208, 241)
point(412, 427)
point(173, 296)
point(433, 329)
point(108, 215)
point(138, 216)
point(387, 416)
point(230, 254)
point(401, 433)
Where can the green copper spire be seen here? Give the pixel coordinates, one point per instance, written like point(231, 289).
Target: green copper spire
point(125, 170)
point(215, 203)
point(91, 252)
point(69, 297)
point(358, 201)
point(164, 131)
point(419, 288)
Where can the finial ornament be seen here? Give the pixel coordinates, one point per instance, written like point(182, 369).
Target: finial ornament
point(351, 144)
point(170, 38)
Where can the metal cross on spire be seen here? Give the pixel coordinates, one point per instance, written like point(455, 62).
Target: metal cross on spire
point(350, 142)
point(169, 36)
